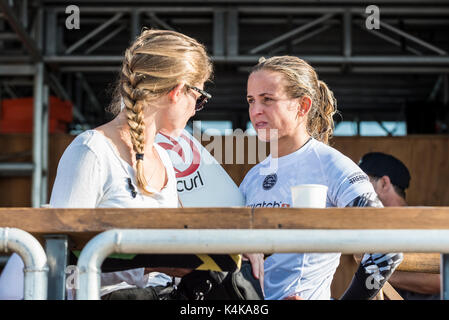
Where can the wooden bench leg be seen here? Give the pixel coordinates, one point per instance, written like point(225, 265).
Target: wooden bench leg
point(390, 293)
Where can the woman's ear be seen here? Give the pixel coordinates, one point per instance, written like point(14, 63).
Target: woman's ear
point(176, 92)
point(304, 105)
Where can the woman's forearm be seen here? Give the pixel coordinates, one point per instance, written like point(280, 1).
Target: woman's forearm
point(424, 283)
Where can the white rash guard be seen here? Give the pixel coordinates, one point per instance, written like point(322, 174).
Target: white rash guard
point(91, 174)
point(306, 274)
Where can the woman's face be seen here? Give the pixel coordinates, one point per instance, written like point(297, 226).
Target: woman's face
point(272, 113)
point(175, 116)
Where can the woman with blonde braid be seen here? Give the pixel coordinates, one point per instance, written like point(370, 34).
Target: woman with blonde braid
point(290, 105)
point(119, 164)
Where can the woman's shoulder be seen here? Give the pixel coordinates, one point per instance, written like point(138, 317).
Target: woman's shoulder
point(325, 149)
point(87, 142)
point(330, 155)
point(334, 164)
point(345, 179)
point(89, 138)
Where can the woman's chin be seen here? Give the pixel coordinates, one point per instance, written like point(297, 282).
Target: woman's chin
point(263, 137)
point(267, 135)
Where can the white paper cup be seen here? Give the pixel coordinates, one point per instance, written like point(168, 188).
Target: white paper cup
point(309, 196)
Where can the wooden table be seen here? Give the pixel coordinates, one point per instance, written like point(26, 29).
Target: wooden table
point(61, 230)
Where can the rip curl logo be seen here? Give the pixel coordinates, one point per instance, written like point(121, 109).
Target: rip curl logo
point(177, 147)
point(269, 181)
point(188, 178)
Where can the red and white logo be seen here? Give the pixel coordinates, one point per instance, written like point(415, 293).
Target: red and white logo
point(187, 152)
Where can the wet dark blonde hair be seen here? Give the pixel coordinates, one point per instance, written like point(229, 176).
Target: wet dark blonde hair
point(302, 80)
point(154, 64)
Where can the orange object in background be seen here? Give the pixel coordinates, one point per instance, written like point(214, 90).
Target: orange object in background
point(26, 126)
point(16, 115)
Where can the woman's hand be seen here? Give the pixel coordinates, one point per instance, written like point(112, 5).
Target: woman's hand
point(294, 297)
point(256, 260)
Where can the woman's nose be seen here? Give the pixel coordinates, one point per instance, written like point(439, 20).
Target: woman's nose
point(255, 109)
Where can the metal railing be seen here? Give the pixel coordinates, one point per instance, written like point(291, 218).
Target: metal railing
point(34, 258)
point(227, 241)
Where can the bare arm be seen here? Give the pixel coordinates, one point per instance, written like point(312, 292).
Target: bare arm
point(424, 283)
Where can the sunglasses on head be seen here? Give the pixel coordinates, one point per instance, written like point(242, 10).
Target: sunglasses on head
point(202, 99)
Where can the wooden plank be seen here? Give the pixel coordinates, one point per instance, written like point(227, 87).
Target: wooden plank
point(83, 224)
point(15, 191)
point(390, 293)
point(352, 218)
point(425, 156)
point(420, 262)
point(93, 220)
point(430, 169)
point(415, 262)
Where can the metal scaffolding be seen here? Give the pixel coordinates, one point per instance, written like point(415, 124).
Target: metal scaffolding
point(239, 33)
point(73, 64)
point(39, 165)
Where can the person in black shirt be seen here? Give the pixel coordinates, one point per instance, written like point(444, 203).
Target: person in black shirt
point(390, 178)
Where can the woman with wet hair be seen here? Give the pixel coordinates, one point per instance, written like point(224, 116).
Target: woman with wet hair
point(290, 106)
point(119, 164)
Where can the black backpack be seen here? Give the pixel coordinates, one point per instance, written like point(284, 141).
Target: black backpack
point(215, 285)
point(200, 285)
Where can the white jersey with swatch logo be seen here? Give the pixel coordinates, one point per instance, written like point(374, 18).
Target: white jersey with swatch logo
point(268, 185)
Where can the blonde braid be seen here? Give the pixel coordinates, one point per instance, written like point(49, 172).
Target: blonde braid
point(156, 62)
point(133, 98)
